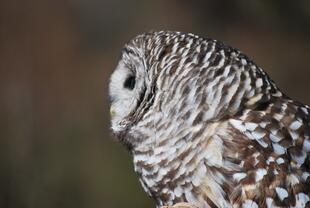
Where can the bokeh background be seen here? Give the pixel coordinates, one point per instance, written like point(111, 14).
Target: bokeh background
point(55, 60)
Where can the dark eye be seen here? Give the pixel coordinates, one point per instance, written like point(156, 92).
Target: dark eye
point(130, 82)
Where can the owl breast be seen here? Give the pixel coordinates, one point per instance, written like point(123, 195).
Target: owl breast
point(175, 169)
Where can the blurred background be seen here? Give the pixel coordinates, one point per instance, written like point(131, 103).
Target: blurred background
point(55, 60)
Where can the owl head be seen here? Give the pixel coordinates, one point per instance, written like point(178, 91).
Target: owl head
point(178, 80)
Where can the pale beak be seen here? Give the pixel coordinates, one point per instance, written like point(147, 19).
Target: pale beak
point(112, 111)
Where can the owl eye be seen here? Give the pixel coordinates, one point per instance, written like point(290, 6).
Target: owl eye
point(130, 82)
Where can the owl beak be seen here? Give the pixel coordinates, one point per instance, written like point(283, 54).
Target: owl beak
point(112, 111)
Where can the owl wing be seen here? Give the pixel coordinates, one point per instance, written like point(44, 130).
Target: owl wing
point(271, 145)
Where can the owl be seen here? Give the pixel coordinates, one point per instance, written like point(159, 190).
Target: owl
point(208, 127)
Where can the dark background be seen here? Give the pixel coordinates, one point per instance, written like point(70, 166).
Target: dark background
point(55, 60)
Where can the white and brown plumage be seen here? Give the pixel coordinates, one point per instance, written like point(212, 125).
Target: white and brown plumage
point(207, 126)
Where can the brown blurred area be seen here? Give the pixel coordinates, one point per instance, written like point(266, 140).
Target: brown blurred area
point(55, 61)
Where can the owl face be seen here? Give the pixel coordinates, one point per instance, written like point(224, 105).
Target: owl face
point(127, 86)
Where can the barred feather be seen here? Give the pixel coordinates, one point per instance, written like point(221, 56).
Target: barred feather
point(207, 126)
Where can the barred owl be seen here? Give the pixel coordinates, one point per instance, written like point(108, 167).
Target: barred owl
point(207, 126)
